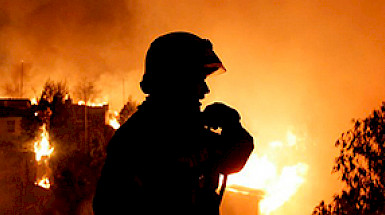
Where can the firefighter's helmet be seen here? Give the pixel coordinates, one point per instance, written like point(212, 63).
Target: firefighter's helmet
point(178, 57)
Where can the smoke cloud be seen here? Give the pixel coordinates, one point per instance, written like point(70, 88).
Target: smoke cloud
point(68, 40)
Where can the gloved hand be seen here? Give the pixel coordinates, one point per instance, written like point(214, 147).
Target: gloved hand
point(235, 144)
point(219, 115)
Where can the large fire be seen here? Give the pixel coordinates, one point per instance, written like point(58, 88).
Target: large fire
point(42, 147)
point(112, 116)
point(278, 184)
point(113, 120)
point(34, 101)
point(43, 151)
point(43, 182)
point(93, 104)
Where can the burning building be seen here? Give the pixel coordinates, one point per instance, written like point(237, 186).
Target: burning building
point(242, 200)
point(78, 125)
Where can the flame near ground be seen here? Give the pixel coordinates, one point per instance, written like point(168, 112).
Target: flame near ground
point(112, 115)
point(279, 183)
point(43, 151)
point(113, 120)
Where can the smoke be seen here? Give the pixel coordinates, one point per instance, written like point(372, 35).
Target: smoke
point(68, 40)
point(71, 40)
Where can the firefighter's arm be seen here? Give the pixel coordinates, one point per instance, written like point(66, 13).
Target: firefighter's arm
point(235, 143)
point(236, 148)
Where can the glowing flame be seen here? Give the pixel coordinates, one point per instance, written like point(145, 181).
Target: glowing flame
point(43, 151)
point(33, 101)
point(278, 184)
point(42, 147)
point(92, 104)
point(44, 183)
point(284, 187)
point(113, 121)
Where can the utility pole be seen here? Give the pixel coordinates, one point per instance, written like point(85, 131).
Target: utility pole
point(21, 79)
point(86, 98)
point(124, 94)
point(85, 128)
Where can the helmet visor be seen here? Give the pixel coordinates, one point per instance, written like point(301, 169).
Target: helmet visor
point(214, 69)
point(212, 63)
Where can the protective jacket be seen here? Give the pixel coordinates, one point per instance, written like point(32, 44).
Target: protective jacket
point(164, 160)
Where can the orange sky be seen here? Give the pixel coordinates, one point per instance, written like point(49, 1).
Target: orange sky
point(305, 66)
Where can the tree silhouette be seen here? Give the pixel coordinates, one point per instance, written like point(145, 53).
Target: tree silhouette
point(128, 109)
point(51, 102)
point(86, 91)
point(361, 164)
point(52, 90)
point(74, 171)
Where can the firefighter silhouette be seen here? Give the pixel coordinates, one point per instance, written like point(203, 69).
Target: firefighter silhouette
point(166, 159)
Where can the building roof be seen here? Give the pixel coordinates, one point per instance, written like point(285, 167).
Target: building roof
point(11, 107)
point(17, 103)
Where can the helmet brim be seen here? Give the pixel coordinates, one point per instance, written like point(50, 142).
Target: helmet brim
point(214, 69)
